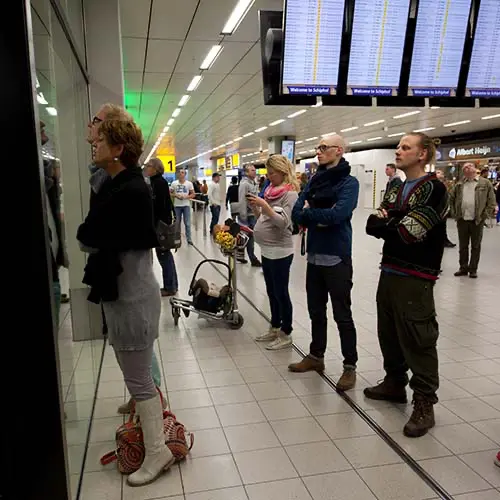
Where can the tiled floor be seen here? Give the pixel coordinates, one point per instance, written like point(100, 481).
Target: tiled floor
point(262, 433)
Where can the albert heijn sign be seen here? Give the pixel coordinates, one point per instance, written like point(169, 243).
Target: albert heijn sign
point(470, 151)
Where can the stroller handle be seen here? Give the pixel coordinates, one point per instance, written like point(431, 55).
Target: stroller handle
point(211, 261)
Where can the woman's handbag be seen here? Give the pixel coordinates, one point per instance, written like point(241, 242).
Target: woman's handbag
point(169, 235)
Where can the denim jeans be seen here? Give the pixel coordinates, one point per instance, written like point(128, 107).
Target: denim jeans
point(277, 277)
point(184, 213)
point(215, 210)
point(167, 263)
point(335, 281)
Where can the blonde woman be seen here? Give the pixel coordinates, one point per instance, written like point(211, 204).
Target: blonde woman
point(273, 233)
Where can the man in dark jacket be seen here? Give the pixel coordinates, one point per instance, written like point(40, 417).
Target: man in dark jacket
point(325, 208)
point(394, 179)
point(412, 224)
point(163, 208)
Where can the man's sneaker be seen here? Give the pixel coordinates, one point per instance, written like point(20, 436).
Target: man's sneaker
point(421, 420)
point(347, 381)
point(271, 335)
point(308, 364)
point(461, 272)
point(497, 459)
point(387, 390)
point(282, 342)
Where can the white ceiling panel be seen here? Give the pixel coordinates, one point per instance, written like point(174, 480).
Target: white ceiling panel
point(162, 55)
point(171, 18)
point(210, 19)
point(192, 55)
point(133, 53)
point(232, 54)
point(252, 86)
point(156, 82)
point(251, 62)
point(134, 17)
point(133, 81)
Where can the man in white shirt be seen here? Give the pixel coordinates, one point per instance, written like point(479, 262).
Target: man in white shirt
point(214, 200)
point(183, 192)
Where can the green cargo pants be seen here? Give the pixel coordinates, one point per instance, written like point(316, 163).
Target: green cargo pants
point(408, 332)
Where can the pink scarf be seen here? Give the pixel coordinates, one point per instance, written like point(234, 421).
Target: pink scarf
point(275, 192)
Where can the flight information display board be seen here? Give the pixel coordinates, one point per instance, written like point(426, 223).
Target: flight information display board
point(313, 36)
point(378, 38)
point(438, 48)
point(484, 70)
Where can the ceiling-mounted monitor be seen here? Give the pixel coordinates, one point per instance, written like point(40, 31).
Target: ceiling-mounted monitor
point(438, 48)
point(484, 70)
point(312, 40)
point(378, 39)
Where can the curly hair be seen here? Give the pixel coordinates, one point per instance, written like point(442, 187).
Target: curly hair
point(126, 134)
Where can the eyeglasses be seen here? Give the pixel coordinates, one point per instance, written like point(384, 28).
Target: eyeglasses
point(96, 120)
point(324, 147)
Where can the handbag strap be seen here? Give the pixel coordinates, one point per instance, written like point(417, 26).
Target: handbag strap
point(303, 243)
point(109, 458)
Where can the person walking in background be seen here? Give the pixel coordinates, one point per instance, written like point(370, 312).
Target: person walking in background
point(204, 187)
point(183, 191)
point(441, 177)
point(163, 210)
point(214, 200)
point(394, 179)
point(413, 229)
point(303, 181)
point(273, 233)
point(325, 209)
point(232, 197)
point(248, 186)
point(118, 233)
point(472, 201)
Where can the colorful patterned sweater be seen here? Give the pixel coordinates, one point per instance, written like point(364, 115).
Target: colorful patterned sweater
point(414, 229)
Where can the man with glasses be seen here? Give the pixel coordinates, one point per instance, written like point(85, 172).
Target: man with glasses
point(325, 209)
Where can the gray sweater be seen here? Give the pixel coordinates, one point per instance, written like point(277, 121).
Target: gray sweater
point(276, 232)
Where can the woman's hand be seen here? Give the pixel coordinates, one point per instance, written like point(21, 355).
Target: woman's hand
point(255, 201)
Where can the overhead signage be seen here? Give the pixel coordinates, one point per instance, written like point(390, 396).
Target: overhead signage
point(168, 162)
point(470, 151)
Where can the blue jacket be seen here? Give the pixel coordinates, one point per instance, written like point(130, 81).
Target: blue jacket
point(332, 195)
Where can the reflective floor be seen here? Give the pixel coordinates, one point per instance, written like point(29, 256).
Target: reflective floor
point(262, 433)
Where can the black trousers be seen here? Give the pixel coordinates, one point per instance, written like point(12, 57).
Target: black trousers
point(469, 232)
point(408, 332)
point(336, 282)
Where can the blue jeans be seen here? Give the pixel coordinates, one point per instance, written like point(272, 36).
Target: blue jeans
point(277, 276)
point(167, 263)
point(250, 222)
point(215, 210)
point(184, 213)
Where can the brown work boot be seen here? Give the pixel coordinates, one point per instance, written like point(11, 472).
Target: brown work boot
point(421, 420)
point(387, 390)
point(347, 380)
point(308, 364)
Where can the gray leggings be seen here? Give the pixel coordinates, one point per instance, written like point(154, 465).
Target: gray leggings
point(136, 369)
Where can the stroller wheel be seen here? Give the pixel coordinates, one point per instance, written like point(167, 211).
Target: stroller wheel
point(237, 322)
point(176, 315)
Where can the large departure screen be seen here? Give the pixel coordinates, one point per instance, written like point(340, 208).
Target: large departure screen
point(313, 35)
point(484, 71)
point(378, 38)
point(438, 48)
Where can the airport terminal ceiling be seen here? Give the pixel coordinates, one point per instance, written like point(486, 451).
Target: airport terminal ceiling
point(164, 44)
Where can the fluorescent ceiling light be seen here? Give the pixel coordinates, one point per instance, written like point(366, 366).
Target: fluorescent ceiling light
point(277, 122)
point(410, 113)
point(490, 117)
point(249, 134)
point(297, 113)
point(176, 112)
point(424, 129)
point(312, 151)
point(329, 134)
point(41, 99)
point(311, 139)
point(456, 123)
point(166, 129)
point(302, 152)
point(299, 142)
point(373, 139)
point(376, 122)
point(184, 100)
point(212, 55)
point(194, 83)
point(162, 135)
point(170, 122)
point(260, 129)
point(51, 111)
point(237, 139)
point(37, 82)
point(349, 129)
point(355, 142)
point(397, 134)
point(238, 14)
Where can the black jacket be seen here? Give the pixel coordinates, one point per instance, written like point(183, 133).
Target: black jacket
point(414, 231)
point(162, 202)
point(120, 219)
point(232, 194)
point(394, 182)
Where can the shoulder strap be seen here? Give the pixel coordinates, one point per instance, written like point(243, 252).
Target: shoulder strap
point(108, 458)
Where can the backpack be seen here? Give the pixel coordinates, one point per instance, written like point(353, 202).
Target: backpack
point(130, 451)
